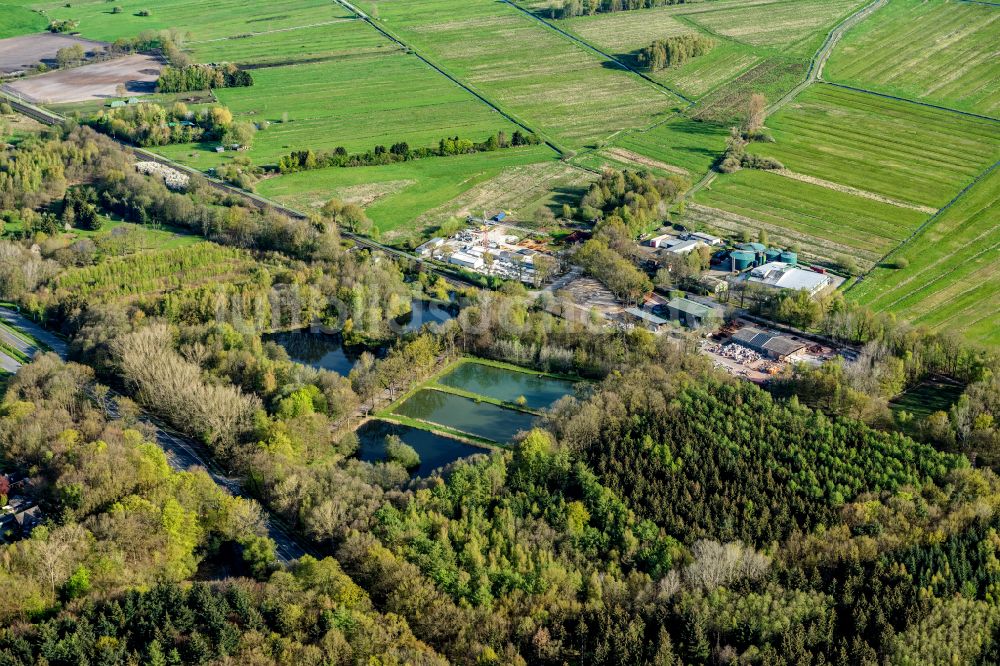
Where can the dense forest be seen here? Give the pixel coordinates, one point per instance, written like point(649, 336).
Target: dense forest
point(664, 514)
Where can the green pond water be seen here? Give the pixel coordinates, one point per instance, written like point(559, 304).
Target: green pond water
point(482, 419)
point(507, 385)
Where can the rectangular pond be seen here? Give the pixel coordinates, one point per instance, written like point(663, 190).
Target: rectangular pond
point(482, 419)
point(507, 385)
point(435, 450)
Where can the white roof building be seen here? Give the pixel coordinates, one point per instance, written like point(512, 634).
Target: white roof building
point(683, 247)
point(784, 276)
point(707, 239)
point(661, 241)
point(466, 260)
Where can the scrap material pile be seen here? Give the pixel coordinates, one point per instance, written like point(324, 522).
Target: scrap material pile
point(740, 354)
point(173, 178)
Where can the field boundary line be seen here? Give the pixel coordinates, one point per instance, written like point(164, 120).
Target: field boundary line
point(607, 56)
point(929, 221)
point(910, 101)
point(440, 70)
point(847, 189)
point(819, 59)
point(248, 35)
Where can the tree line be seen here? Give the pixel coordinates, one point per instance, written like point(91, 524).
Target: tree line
point(571, 8)
point(304, 160)
point(202, 77)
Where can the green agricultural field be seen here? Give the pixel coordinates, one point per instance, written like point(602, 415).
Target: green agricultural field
point(938, 51)
point(623, 34)
point(553, 85)
point(824, 222)
point(19, 20)
point(952, 280)
point(343, 39)
point(682, 142)
point(900, 150)
point(796, 26)
point(203, 20)
point(397, 194)
point(354, 102)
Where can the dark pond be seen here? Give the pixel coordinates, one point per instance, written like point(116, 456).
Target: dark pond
point(507, 385)
point(434, 450)
point(425, 312)
point(482, 419)
point(320, 350)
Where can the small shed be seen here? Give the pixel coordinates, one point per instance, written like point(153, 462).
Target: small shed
point(646, 319)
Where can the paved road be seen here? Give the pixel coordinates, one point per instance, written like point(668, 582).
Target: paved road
point(182, 453)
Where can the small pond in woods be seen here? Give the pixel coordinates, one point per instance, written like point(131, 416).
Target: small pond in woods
point(482, 419)
point(507, 385)
point(434, 450)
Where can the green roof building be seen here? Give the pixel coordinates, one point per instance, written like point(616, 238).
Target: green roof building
point(693, 314)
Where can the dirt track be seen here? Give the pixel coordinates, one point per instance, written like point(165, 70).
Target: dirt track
point(98, 81)
point(26, 51)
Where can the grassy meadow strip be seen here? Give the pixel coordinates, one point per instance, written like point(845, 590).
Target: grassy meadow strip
point(555, 86)
point(812, 215)
point(408, 189)
point(346, 38)
point(930, 50)
point(356, 103)
point(951, 279)
point(203, 20)
point(796, 26)
point(899, 149)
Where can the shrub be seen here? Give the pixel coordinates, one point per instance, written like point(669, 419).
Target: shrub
point(899, 263)
point(400, 452)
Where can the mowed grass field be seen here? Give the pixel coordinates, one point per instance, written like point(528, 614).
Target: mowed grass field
point(953, 280)
point(203, 20)
point(339, 84)
point(19, 20)
point(747, 32)
point(900, 150)
point(825, 222)
point(937, 51)
point(795, 26)
point(623, 34)
point(356, 102)
point(397, 194)
point(681, 142)
point(340, 38)
point(558, 88)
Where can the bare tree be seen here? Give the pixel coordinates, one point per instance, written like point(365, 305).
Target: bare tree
point(719, 564)
point(755, 113)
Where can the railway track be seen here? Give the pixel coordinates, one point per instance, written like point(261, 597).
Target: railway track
point(49, 118)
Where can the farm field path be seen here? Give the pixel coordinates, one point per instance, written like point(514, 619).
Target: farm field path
point(821, 57)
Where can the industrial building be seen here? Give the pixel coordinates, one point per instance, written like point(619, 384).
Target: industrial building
point(645, 319)
point(786, 276)
point(692, 314)
point(466, 260)
point(772, 345)
point(707, 239)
